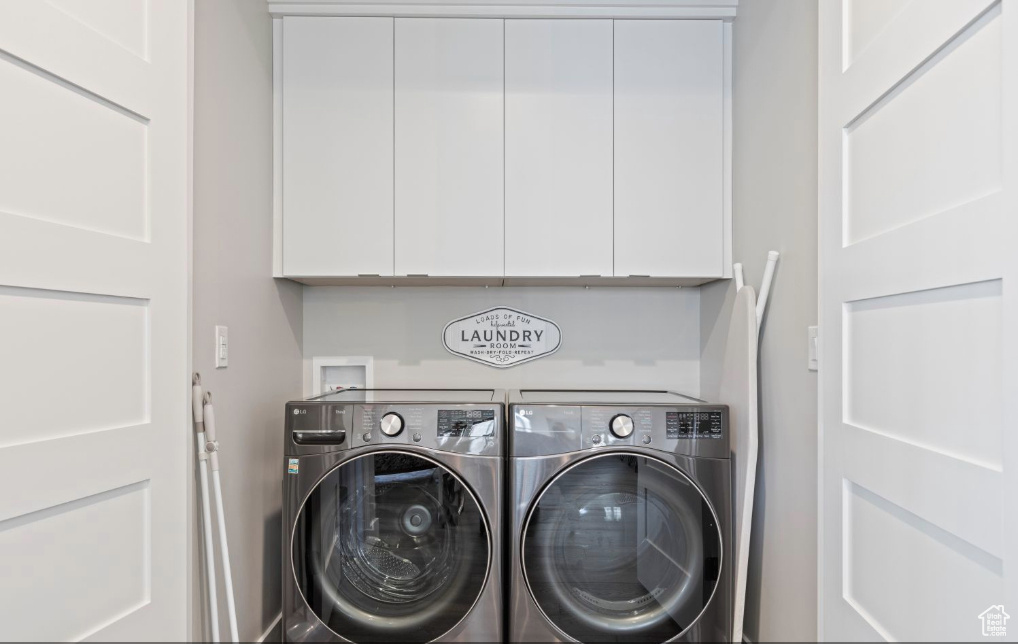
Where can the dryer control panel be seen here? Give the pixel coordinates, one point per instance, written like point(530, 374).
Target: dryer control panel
point(695, 430)
point(695, 424)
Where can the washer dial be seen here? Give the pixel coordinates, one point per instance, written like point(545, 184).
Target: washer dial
point(391, 424)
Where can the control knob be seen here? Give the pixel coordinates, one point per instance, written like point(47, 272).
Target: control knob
point(621, 426)
point(391, 424)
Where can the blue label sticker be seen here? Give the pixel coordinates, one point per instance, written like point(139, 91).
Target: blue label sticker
point(293, 466)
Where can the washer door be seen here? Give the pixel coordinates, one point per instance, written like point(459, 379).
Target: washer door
point(621, 547)
point(390, 547)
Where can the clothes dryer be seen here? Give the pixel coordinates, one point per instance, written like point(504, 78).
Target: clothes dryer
point(621, 517)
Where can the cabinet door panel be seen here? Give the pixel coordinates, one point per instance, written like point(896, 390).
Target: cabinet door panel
point(449, 156)
point(558, 147)
point(668, 148)
point(337, 146)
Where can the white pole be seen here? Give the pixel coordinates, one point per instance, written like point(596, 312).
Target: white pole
point(206, 507)
point(210, 557)
point(227, 575)
point(765, 287)
point(739, 279)
point(212, 447)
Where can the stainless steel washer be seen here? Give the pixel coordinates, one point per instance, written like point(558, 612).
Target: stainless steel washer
point(392, 507)
point(621, 517)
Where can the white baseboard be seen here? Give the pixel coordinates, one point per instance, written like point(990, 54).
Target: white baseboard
point(272, 626)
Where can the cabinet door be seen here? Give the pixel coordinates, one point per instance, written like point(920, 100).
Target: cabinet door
point(337, 146)
point(668, 148)
point(449, 157)
point(558, 147)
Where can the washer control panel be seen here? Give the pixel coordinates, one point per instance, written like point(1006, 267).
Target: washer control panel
point(460, 423)
point(314, 427)
point(466, 429)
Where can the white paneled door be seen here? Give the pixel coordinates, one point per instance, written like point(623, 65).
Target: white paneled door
point(93, 319)
point(919, 314)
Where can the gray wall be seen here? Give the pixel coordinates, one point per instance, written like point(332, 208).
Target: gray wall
point(611, 337)
point(775, 203)
point(232, 246)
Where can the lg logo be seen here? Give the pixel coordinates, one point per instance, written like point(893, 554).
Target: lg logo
point(298, 412)
point(526, 412)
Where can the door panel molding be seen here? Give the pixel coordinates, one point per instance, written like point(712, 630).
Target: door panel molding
point(94, 319)
point(918, 449)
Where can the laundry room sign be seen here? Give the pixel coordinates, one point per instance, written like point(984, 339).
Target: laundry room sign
point(502, 337)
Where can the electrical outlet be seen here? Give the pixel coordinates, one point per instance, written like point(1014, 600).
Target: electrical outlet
point(222, 347)
point(814, 348)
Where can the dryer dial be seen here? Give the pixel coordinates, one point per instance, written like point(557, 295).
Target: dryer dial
point(621, 426)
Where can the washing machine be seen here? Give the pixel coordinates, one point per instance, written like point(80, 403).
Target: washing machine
point(621, 514)
point(392, 516)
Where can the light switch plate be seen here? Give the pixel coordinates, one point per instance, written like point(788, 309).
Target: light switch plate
point(813, 338)
point(222, 347)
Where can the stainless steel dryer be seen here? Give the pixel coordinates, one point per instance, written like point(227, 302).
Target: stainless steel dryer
point(392, 517)
point(621, 517)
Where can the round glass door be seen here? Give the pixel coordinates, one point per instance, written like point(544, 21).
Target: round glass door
point(391, 547)
point(622, 547)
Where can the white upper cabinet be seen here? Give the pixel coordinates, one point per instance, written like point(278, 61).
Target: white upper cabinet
point(449, 155)
point(504, 150)
point(337, 133)
point(669, 148)
point(558, 148)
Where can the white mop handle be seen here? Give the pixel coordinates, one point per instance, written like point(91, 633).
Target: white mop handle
point(231, 607)
point(196, 403)
point(210, 556)
point(212, 447)
point(197, 410)
point(765, 288)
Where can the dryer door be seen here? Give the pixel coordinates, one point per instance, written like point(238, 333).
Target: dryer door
point(622, 547)
point(391, 547)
